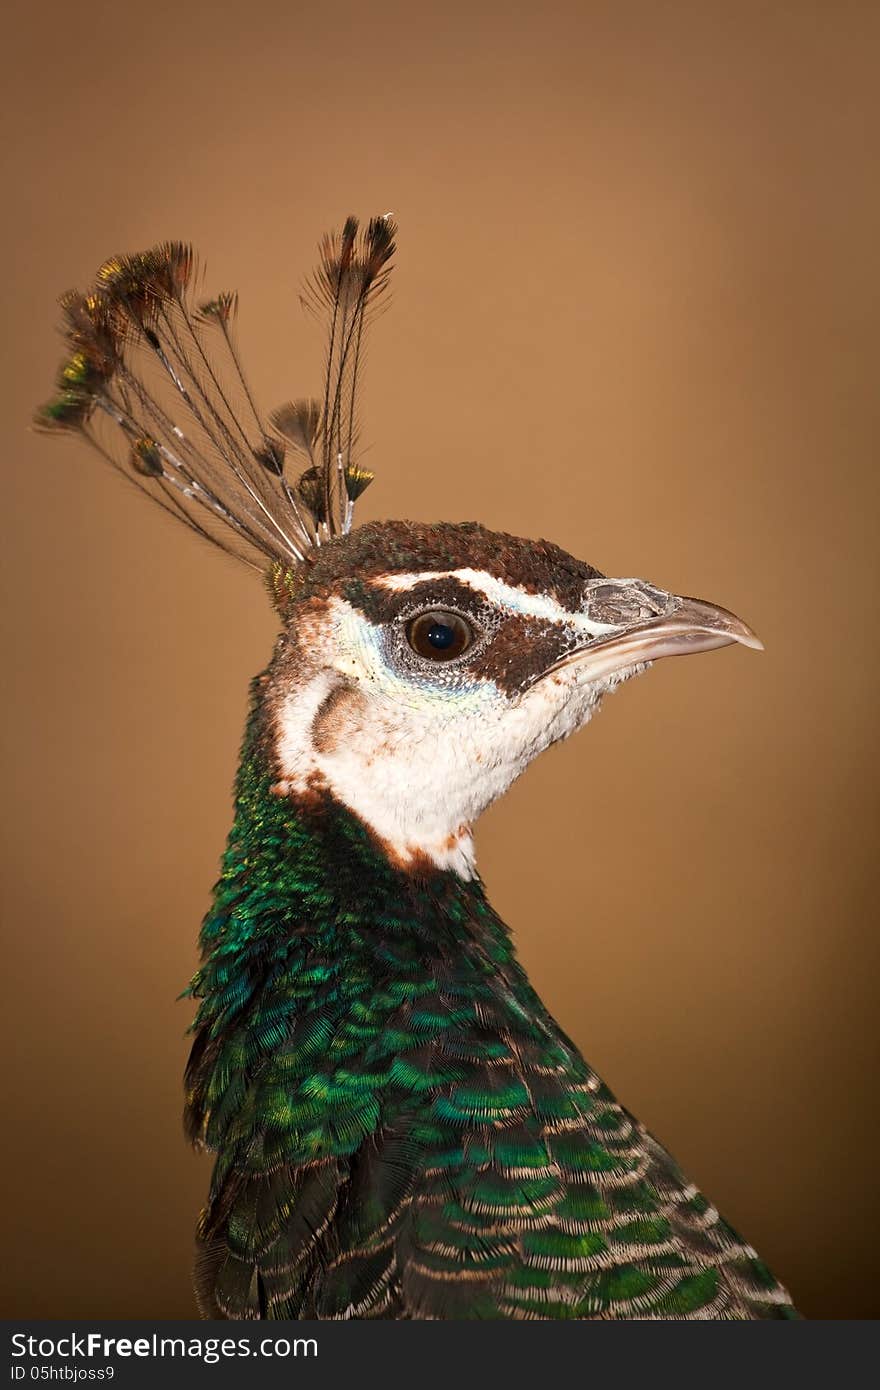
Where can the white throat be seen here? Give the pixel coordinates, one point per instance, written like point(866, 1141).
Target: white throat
point(416, 761)
point(328, 739)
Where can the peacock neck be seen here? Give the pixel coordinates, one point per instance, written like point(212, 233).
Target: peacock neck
point(305, 869)
point(400, 1128)
point(318, 947)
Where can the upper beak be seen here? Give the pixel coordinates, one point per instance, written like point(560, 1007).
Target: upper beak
point(665, 625)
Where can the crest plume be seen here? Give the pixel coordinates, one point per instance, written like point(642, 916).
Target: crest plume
point(153, 380)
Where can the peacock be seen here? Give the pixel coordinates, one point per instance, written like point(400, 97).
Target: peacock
point(400, 1128)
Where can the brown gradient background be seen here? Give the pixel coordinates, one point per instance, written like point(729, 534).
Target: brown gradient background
point(636, 311)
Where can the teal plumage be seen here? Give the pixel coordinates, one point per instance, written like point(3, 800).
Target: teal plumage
point(400, 1128)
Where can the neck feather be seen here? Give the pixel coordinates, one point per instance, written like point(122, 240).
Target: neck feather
point(316, 940)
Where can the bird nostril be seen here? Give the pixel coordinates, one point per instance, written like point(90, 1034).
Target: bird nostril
point(623, 602)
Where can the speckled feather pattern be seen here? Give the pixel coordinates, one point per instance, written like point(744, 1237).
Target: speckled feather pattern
point(402, 1130)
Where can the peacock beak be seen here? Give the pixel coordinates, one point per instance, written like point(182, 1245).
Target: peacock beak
point(666, 625)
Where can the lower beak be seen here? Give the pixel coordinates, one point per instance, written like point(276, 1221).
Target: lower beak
point(687, 625)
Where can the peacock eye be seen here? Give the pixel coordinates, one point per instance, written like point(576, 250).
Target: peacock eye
point(438, 635)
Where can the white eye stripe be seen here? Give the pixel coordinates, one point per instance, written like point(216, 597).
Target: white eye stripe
point(510, 596)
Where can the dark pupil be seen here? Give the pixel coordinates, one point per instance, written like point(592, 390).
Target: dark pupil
point(441, 636)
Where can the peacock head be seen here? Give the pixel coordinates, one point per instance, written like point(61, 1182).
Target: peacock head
point(422, 668)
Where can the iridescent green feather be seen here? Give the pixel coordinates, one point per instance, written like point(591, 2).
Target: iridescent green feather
point(401, 1129)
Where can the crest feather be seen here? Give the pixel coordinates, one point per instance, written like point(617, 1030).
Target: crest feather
point(153, 380)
